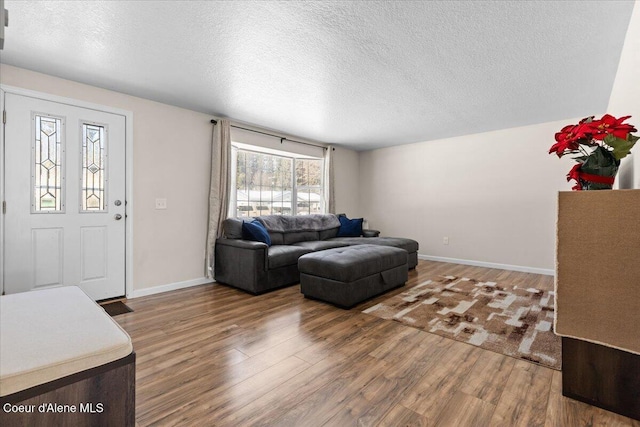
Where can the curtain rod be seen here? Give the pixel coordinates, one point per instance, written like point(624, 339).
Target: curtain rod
point(215, 122)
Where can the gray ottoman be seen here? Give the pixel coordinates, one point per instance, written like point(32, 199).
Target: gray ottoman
point(347, 276)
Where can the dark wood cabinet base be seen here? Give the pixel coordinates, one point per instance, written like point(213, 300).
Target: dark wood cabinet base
point(102, 396)
point(601, 376)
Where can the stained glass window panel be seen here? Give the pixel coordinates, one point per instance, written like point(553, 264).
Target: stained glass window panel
point(48, 155)
point(93, 194)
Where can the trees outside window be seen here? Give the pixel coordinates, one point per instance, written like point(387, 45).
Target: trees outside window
point(268, 184)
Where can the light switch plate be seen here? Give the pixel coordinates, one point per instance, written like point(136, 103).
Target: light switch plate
point(161, 203)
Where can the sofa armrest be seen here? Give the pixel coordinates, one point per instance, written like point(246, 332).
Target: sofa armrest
point(242, 244)
point(241, 263)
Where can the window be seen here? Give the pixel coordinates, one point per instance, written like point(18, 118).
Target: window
point(308, 186)
point(48, 154)
point(93, 191)
point(273, 184)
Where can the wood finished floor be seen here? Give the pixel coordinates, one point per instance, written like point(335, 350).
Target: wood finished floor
point(213, 355)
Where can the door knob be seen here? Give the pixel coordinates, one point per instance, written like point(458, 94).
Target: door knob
point(118, 217)
point(117, 203)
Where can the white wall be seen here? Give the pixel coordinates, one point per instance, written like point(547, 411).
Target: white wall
point(493, 194)
point(171, 160)
point(625, 96)
point(347, 184)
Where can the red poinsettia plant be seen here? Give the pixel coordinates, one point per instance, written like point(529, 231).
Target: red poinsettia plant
point(600, 145)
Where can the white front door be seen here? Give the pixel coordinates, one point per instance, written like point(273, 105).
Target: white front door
point(65, 197)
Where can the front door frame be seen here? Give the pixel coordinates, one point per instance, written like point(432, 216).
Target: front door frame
point(128, 115)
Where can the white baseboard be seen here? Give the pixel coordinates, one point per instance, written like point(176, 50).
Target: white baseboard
point(524, 269)
point(169, 287)
point(204, 280)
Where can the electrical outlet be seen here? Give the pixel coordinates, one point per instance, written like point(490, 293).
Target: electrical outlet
point(161, 203)
point(445, 240)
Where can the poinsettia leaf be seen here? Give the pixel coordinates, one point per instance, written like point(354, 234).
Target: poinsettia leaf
point(621, 147)
point(633, 138)
point(580, 159)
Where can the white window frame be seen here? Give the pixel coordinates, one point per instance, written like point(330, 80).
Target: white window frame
point(236, 147)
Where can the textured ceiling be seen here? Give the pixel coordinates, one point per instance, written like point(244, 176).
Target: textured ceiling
point(359, 74)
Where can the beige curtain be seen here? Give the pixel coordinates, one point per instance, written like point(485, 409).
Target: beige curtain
point(329, 201)
point(219, 191)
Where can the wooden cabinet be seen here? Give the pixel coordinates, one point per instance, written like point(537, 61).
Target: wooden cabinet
point(598, 297)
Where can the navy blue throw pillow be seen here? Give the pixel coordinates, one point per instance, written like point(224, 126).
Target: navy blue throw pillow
point(255, 231)
point(350, 227)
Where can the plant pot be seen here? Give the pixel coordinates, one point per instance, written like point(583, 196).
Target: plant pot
point(599, 170)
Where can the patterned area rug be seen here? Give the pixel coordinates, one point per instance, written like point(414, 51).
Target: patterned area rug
point(514, 321)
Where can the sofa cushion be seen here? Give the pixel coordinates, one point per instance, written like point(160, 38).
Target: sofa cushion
point(232, 228)
point(328, 234)
point(255, 231)
point(288, 223)
point(277, 238)
point(350, 227)
point(320, 245)
point(283, 255)
point(408, 245)
point(300, 236)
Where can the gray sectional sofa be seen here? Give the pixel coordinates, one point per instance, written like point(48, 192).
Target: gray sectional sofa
point(256, 267)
